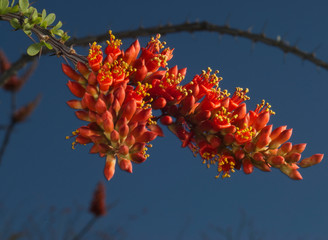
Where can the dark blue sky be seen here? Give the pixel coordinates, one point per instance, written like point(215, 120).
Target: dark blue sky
point(40, 170)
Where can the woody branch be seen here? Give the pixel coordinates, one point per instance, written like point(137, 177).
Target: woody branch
point(68, 52)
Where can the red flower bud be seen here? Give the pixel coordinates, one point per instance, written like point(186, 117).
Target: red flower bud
point(82, 68)
point(187, 104)
point(293, 157)
point(239, 154)
point(72, 74)
point(92, 79)
point(130, 140)
point(116, 106)
point(146, 137)
point(138, 157)
point(132, 52)
point(125, 165)
point(114, 136)
point(156, 129)
point(215, 141)
point(166, 120)
point(141, 72)
point(159, 103)
point(314, 159)
point(283, 137)
point(92, 90)
point(275, 133)
point(139, 130)
point(138, 147)
point(89, 102)
point(141, 115)
point(123, 130)
point(285, 148)
point(247, 166)
point(298, 147)
point(75, 104)
point(100, 106)
point(263, 139)
point(129, 109)
point(83, 115)
point(249, 147)
point(119, 94)
point(76, 89)
point(108, 122)
point(240, 111)
point(291, 171)
point(109, 169)
point(261, 121)
point(202, 115)
point(276, 160)
point(123, 150)
point(82, 140)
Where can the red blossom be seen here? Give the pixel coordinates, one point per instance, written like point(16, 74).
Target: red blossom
point(118, 94)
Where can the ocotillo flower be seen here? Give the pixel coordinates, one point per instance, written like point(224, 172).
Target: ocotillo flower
point(120, 125)
point(219, 129)
point(118, 91)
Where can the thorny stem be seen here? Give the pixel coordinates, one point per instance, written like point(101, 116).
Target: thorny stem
point(43, 34)
point(63, 50)
point(86, 228)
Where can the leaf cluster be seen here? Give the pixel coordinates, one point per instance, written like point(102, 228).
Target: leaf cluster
point(29, 18)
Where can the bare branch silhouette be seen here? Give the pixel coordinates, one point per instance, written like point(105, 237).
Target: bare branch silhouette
point(167, 29)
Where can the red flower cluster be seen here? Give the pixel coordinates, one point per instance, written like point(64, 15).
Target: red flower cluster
point(118, 92)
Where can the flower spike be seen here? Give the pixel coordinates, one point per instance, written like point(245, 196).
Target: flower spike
point(118, 90)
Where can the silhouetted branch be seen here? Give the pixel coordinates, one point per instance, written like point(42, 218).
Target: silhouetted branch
point(168, 29)
point(86, 228)
point(9, 128)
point(17, 116)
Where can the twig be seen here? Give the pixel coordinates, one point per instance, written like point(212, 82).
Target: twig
point(9, 129)
point(168, 29)
point(86, 228)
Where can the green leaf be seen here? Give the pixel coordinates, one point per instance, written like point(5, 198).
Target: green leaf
point(43, 17)
point(34, 15)
point(34, 49)
point(44, 14)
point(28, 32)
point(15, 23)
point(59, 32)
point(37, 20)
point(50, 18)
point(29, 11)
point(28, 26)
point(3, 6)
point(55, 29)
point(23, 4)
point(65, 37)
point(14, 9)
point(12, 3)
point(47, 45)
